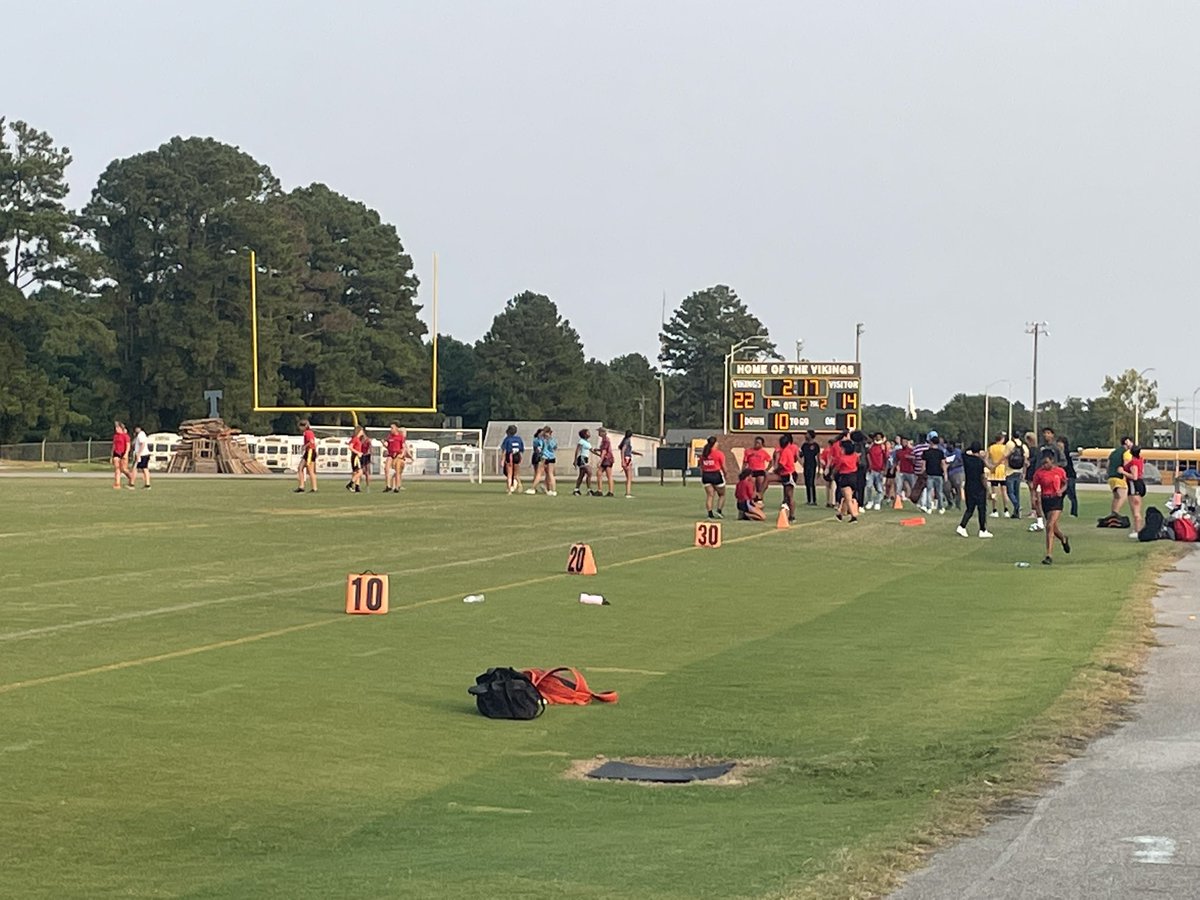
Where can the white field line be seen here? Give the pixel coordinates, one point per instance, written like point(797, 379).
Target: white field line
point(44, 630)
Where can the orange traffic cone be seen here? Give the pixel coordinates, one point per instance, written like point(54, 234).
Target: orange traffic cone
point(782, 521)
point(898, 503)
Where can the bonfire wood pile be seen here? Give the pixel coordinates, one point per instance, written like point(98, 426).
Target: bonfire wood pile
point(208, 445)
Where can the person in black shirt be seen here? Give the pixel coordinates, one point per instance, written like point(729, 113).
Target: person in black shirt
point(935, 474)
point(975, 487)
point(810, 452)
point(1068, 465)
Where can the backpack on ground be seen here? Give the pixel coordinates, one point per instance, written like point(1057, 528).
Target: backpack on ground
point(557, 689)
point(1153, 529)
point(502, 693)
point(1113, 521)
point(1185, 530)
point(1016, 459)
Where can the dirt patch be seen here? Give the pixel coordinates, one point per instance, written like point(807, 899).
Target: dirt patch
point(742, 773)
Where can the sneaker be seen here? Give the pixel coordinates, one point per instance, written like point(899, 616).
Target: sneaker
point(357, 489)
point(1133, 536)
point(1007, 514)
point(629, 496)
point(312, 490)
point(854, 518)
point(530, 491)
point(349, 485)
point(720, 515)
point(1047, 561)
point(1034, 526)
point(839, 516)
point(610, 494)
point(551, 493)
point(876, 506)
point(297, 490)
point(960, 531)
point(941, 511)
point(575, 493)
point(1066, 542)
point(985, 534)
point(710, 514)
point(130, 487)
point(995, 514)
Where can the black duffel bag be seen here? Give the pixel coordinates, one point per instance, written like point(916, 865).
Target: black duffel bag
point(503, 693)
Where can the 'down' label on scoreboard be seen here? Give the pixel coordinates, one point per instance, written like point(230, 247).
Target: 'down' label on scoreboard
point(794, 396)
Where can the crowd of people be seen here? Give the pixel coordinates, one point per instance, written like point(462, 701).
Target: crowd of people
point(858, 472)
point(397, 454)
point(544, 458)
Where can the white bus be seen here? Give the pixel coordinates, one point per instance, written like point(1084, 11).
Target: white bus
point(279, 452)
point(459, 459)
point(162, 445)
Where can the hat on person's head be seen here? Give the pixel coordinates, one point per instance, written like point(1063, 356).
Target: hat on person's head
point(933, 434)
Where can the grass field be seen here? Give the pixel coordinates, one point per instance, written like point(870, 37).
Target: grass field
point(186, 711)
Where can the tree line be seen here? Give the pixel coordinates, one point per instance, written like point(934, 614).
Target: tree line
point(135, 305)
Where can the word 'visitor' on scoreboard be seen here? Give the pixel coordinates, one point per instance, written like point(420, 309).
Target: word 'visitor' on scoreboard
point(793, 396)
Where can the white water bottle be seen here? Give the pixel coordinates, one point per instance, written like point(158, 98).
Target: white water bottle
point(593, 599)
point(1021, 565)
point(473, 598)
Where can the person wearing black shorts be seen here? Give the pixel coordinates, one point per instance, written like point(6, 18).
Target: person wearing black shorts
point(1050, 483)
point(712, 476)
point(810, 453)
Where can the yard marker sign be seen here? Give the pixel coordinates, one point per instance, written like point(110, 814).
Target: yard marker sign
point(366, 594)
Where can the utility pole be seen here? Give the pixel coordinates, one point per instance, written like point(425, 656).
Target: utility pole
point(1035, 328)
point(858, 333)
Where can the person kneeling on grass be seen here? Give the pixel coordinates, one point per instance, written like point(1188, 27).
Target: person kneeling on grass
point(1050, 482)
point(746, 494)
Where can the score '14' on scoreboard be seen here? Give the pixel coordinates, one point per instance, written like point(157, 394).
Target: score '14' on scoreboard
point(777, 397)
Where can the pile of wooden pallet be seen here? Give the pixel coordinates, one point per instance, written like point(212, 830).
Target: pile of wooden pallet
point(209, 445)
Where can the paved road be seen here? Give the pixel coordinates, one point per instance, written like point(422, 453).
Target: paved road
point(1124, 818)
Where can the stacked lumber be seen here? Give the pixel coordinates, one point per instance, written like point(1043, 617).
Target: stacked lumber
point(210, 446)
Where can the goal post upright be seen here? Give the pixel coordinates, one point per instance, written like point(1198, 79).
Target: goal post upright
point(353, 411)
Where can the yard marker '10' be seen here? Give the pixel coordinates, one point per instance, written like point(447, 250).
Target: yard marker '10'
point(366, 594)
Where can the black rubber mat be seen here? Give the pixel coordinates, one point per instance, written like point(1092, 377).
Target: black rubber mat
point(621, 771)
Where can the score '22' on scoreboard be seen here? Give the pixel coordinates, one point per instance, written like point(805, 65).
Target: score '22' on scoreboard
point(778, 397)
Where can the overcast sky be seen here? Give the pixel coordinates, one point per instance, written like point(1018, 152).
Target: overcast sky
point(941, 172)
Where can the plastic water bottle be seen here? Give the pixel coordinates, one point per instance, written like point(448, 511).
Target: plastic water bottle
point(593, 599)
point(1021, 565)
point(473, 598)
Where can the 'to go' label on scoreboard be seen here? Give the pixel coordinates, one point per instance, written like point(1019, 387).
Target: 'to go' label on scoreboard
point(794, 396)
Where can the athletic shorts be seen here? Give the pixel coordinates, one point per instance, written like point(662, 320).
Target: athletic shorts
point(1118, 484)
point(308, 456)
point(847, 480)
point(536, 459)
point(758, 473)
point(365, 460)
point(606, 463)
point(355, 462)
point(581, 463)
point(548, 461)
point(716, 479)
point(1049, 504)
point(514, 459)
point(143, 463)
point(996, 482)
point(1138, 488)
point(744, 505)
point(787, 478)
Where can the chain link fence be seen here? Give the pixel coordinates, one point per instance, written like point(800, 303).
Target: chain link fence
point(57, 452)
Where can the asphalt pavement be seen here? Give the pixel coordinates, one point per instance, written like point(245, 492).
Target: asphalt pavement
point(1123, 820)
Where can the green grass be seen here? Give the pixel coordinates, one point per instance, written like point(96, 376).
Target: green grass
point(186, 712)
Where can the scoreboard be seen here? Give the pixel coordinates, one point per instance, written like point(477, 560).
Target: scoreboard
point(777, 397)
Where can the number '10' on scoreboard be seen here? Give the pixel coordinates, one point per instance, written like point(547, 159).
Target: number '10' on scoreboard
point(777, 397)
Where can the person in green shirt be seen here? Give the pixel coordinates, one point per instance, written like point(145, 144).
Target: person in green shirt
point(1116, 481)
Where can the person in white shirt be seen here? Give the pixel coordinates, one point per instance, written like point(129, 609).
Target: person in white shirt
point(141, 455)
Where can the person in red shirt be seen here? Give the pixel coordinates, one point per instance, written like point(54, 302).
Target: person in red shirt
point(712, 476)
point(1050, 482)
point(785, 468)
point(749, 504)
point(755, 461)
point(364, 459)
point(829, 472)
point(120, 456)
point(354, 484)
point(396, 440)
point(308, 460)
point(1134, 470)
point(877, 460)
point(845, 467)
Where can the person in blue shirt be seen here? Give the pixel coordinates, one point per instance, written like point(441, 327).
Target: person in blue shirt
point(545, 449)
point(583, 451)
point(955, 474)
point(512, 446)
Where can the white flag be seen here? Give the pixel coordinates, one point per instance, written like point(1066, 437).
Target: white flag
point(912, 406)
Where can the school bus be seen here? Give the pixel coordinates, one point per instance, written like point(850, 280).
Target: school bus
point(1170, 464)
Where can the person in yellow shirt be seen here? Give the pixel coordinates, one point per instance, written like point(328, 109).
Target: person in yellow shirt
point(997, 453)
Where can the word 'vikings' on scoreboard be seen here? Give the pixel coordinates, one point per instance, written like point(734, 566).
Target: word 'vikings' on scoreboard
point(777, 397)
